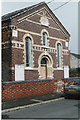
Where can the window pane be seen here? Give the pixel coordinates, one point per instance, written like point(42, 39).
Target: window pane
point(27, 60)
point(44, 38)
point(59, 54)
point(44, 61)
point(28, 51)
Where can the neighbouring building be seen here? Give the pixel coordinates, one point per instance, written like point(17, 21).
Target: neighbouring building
point(35, 45)
point(74, 60)
point(74, 70)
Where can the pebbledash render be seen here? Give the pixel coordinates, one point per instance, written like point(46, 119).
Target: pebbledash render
point(35, 45)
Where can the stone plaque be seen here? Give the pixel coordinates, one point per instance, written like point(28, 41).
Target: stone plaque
point(14, 33)
point(44, 21)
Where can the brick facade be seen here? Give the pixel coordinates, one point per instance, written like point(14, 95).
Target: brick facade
point(29, 23)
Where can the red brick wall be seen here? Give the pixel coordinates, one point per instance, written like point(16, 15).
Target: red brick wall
point(36, 57)
point(31, 74)
point(6, 52)
point(66, 60)
point(26, 25)
point(17, 56)
point(64, 46)
point(6, 35)
point(6, 23)
point(52, 43)
point(59, 74)
point(23, 89)
point(53, 55)
point(38, 17)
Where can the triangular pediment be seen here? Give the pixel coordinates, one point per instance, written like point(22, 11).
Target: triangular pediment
point(46, 17)
point(42, 18)
point(39, 13)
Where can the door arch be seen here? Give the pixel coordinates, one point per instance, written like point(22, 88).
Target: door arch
point(45, 66)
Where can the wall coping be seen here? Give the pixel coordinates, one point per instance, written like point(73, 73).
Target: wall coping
point(71, 78)
point(9, 82)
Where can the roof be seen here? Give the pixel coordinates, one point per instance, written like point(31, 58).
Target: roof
point(18, 12)
point(10, 15)
point(76, 55)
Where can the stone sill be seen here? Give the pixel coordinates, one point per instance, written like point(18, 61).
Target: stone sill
point(29, 68)
point(59, 68)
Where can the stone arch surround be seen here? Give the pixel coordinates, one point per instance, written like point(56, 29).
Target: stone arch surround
point(41, 69)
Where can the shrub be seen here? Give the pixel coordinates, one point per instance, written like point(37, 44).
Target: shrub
point(74, 72)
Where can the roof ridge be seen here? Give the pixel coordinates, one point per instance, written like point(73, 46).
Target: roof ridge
point(20, 11)
point(75, 53)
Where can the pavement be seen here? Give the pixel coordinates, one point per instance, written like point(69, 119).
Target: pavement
point(30, 100)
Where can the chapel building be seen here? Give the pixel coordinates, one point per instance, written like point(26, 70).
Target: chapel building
point(35, 45)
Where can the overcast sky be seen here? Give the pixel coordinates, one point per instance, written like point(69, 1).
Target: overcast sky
point(67, 14)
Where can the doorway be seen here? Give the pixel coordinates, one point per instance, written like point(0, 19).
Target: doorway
point(44, 68)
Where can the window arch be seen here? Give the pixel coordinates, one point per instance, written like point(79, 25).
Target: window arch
point(44, 38)
point(59, 54)
point(28, 51)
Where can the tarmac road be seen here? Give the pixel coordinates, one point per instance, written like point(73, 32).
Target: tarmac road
point(65, 108)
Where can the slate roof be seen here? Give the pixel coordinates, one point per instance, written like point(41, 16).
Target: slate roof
point(76, 55)
point(10, 15)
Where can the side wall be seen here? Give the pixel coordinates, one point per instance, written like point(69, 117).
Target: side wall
point(6, 51)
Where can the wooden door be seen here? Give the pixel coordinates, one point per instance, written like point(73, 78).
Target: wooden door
point(43, 71)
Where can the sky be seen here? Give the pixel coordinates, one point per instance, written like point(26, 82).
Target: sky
point(67, 14)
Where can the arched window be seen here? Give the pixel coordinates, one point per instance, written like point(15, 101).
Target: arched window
point(44, 61)
point(44, 38)
point(28, 51)
point(59, 54)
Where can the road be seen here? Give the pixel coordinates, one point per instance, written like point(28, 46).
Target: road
point(65, 108)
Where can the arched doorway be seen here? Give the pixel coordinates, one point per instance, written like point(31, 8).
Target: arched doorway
point(45, 67)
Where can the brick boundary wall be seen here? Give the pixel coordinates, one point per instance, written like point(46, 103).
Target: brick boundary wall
point(14, 90)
